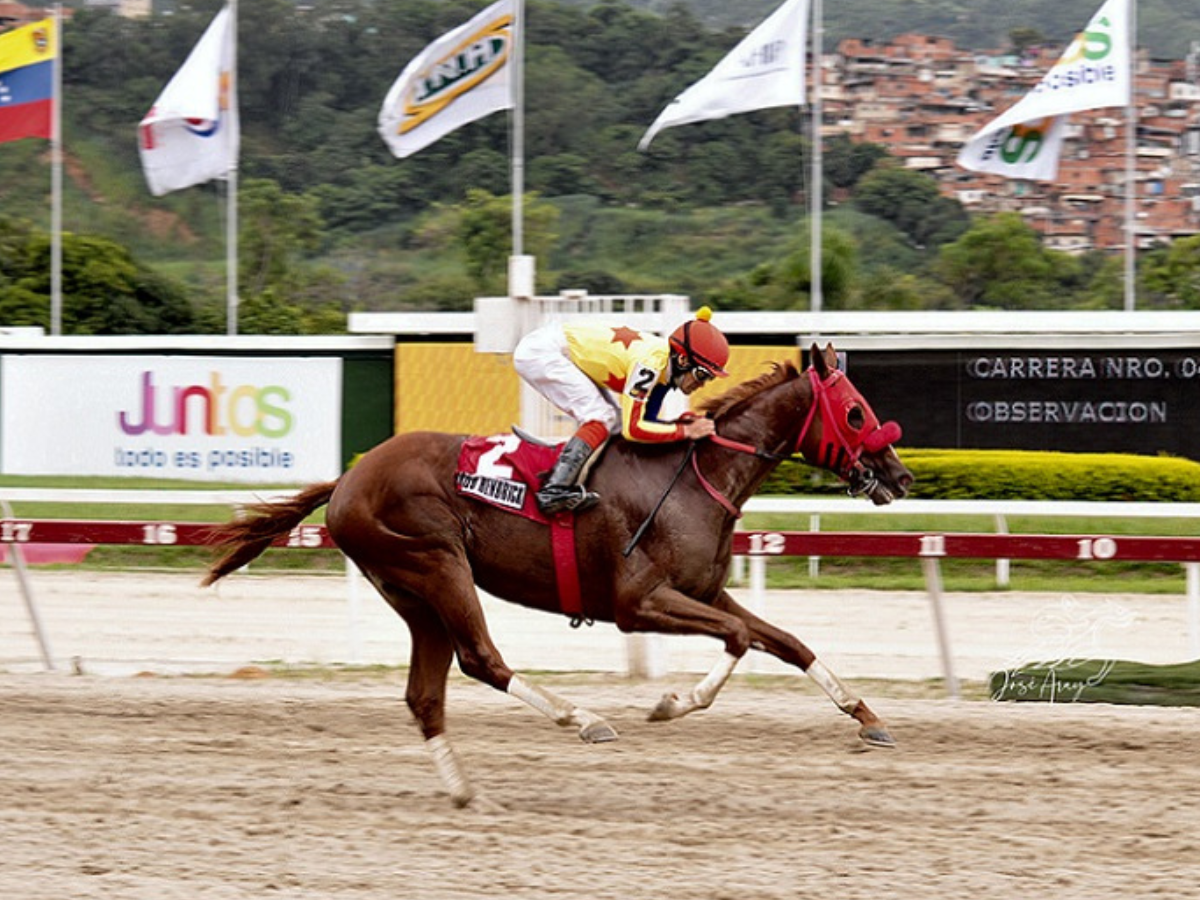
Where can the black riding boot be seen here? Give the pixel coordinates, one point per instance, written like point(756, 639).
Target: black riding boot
point(560, 492)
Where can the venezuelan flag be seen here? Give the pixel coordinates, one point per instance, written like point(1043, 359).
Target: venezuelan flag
point(27, 57)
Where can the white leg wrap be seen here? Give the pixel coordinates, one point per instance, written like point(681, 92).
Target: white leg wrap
point(706, 691)
point(558, 710)
point(832, 685)
point(449, 770)
point(672, 706)
point(551, 706)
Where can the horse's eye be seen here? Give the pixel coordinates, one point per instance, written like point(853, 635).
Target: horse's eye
point(855, 418)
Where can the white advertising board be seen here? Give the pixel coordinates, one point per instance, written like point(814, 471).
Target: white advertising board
point(203, 418)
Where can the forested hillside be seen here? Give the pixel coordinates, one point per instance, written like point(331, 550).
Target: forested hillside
point(1166, 27)
point(331, 221)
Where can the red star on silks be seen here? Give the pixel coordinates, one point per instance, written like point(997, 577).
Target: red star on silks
point(614, 382)
point(625, 335)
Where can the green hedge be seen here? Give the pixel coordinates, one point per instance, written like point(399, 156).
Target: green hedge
point(1020, 475)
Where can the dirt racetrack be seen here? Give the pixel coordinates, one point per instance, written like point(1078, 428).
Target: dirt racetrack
point(158, 788)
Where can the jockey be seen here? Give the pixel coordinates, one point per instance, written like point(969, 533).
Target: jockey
point(581, 367)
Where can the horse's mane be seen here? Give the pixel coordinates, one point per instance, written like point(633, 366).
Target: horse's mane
point(715, 407)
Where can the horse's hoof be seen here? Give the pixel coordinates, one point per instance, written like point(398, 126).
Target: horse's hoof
point(876, 736)
point(598, 733)
point(667, 709)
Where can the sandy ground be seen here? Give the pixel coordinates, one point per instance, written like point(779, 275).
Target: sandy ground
point(161, 787)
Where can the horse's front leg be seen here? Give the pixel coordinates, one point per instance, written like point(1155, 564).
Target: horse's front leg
point(668, 611)
point(672, 705)
point(766, 637)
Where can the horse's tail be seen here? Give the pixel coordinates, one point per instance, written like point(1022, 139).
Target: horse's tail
point(246, 537)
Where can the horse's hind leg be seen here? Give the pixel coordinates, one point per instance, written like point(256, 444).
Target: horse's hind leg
point(458, 609)
point(429, 662)
point(479, 659)
point(592, 728)
point(766, 637)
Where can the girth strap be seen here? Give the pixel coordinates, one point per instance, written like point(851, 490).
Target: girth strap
point(566, 567)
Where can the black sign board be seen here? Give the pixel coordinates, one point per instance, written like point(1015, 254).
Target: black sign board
point(1071, 400)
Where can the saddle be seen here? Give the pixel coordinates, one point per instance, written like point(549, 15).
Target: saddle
point(504, 471)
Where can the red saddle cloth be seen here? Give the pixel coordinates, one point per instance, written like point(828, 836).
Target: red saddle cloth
point(503, 471)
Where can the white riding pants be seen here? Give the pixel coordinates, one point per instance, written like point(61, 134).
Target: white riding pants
point(541, 358)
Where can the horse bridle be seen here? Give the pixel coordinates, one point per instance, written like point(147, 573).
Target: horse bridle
point(842, 442)
point(836, 448)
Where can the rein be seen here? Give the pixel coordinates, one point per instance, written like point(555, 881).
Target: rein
point(730, 444)
point(837, 453)
point(637, 535)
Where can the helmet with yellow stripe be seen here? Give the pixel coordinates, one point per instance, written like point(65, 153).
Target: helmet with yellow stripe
point(701, 346)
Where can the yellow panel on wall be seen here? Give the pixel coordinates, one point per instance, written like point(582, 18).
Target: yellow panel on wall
point(750, 362)
point(450, 387)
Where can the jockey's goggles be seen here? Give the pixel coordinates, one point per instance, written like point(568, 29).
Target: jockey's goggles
point(702, 374)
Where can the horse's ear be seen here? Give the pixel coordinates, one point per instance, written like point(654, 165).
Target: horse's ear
point(820, 359)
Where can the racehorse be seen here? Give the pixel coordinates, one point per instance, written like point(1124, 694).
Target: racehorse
point(653, 556)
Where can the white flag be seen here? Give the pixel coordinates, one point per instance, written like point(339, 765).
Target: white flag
point(462, 76)
point(765, 70)
point(1030, 150)
point(1093, 72)
point(191, 134)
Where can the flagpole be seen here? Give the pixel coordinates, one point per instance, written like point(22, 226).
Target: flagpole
point(818, 39)
point(518, 124)
point(56, 181)
point(231, 186)
point(231, 252)
point(1131, 120)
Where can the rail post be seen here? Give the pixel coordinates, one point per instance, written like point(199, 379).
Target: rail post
point(1192, 571)
point(35, 616)
point(933, 584)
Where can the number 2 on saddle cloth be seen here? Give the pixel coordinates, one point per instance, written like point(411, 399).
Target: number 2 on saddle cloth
point(503, 471)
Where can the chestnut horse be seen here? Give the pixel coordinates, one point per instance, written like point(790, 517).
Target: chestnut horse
point(424, 547)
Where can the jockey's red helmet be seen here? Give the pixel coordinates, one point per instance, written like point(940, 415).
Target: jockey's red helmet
point(702, 343)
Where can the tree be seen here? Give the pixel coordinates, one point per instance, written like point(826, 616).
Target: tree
point(276, 231)
point(1171, 275)
point(1024, 37)
point(911, 200)
point(1000, 263)
point(485, 233)
point(845, 161)
point(786, 283)
point(105, 290)
point(886, 288)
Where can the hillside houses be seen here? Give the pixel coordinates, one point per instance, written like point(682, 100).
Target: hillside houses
point(922, 97)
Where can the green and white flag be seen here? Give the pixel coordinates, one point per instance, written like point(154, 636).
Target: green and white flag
point(1094, 71)
point(1030, 150)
